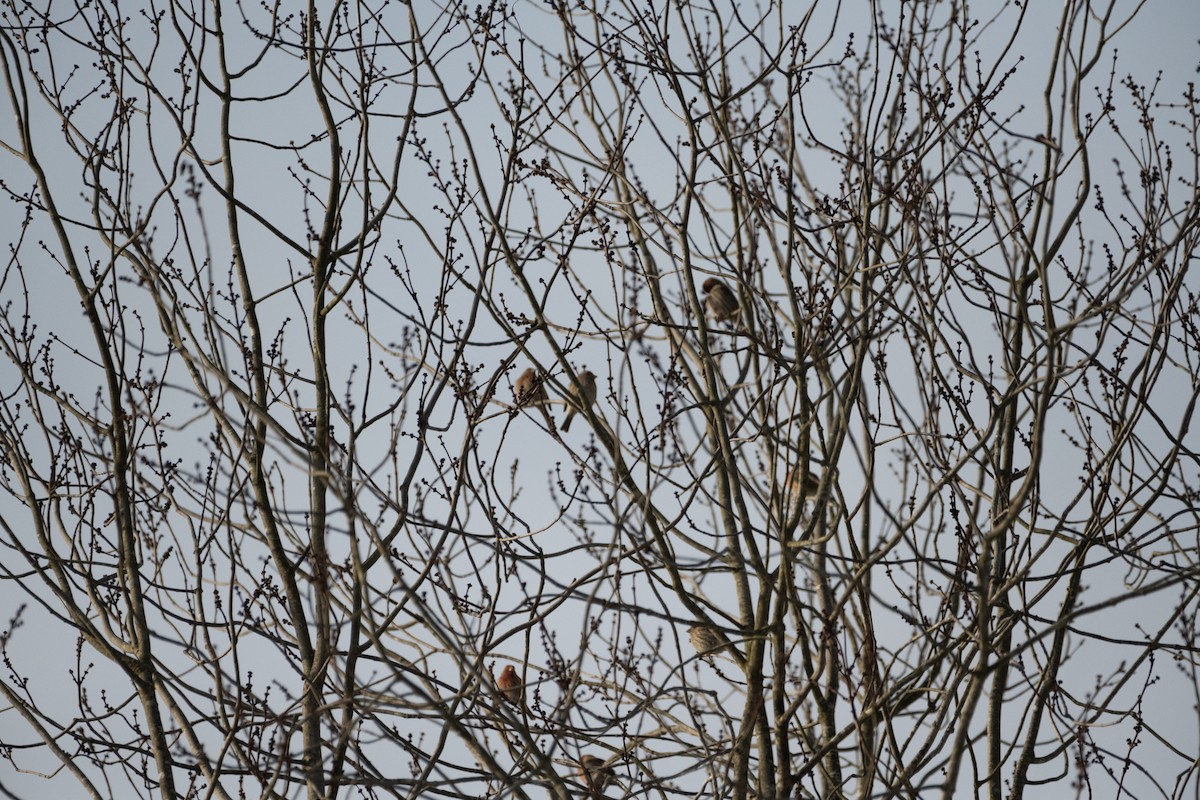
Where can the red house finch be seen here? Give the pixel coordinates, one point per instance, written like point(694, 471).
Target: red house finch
point(596, 774)
point(720, 301)
point(580, 396)
point(510, 685)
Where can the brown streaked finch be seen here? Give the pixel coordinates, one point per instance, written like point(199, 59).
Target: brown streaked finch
point(530, 391)
point(709, 642)
point(812, 482)
point(720, 300)
point(528, 388)
point(580, 396)
point(596, 774)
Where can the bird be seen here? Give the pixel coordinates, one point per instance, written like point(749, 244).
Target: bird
point(720, 300)
point(530, 391)
point(596, 774)
point(580, 396)
point(510, 685)
point(707, 641)
point(812, 482)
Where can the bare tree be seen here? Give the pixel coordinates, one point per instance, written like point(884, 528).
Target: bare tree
point(876, 326)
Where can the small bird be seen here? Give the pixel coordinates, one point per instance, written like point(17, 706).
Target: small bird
point(720, 300)
point(707, 641)
point(581, 396)
point(596, 774)
point(812, 482)
point(510, 685)
point(530, 391)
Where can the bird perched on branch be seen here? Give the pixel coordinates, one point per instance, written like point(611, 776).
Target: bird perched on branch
point(580, 396)
point(812, 482)
point(709, 642)
point(793, 496)
point(529, 390)
point(510, 685)
point(596, 774)
point(720, 300)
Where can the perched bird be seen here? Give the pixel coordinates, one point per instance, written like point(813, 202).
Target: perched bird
point(707, 641)
point(720, 300)
point(580, 396)
point(792, 498)
point(596, 774)
point(530, 391)
point(510, 685)
point(812, 482)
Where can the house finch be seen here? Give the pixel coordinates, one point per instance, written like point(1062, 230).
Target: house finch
point(708, 641)
point(720, 301)
point(812, 482)
point(596, 774)
point(510, 685)
point(580, 396)
point(530, 391)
